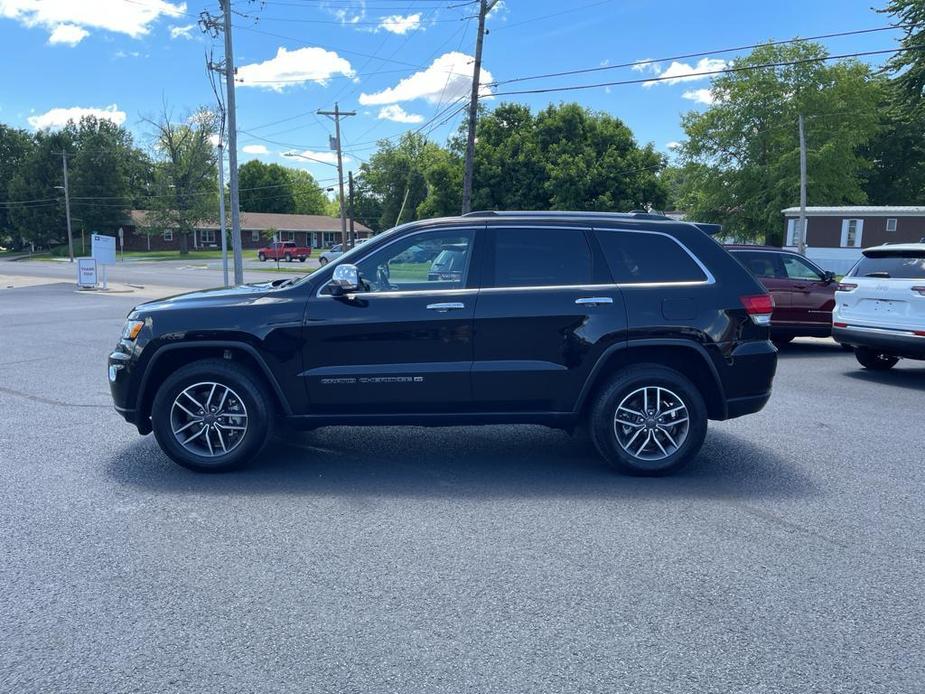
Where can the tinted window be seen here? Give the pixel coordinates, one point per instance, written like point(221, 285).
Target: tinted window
point(760, 264)
point(541, 257)
point(636, 257)
point(908, 265)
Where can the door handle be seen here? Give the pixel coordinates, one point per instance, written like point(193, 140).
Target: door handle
point(593, 300)
point(444, 307)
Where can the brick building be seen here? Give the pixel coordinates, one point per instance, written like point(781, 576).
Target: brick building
point(316, 231)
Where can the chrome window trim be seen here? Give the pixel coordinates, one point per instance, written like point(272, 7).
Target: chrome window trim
point(402, 237)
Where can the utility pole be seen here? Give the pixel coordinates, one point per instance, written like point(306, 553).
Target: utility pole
point(801, 242)
point(336, 115)
point(221, 209)
point(353, 236)
point(484, 8)
point(67, 209)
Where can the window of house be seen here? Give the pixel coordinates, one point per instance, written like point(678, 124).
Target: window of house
point(637, 258)
point(255, 235)
point(168, 235)
point(207, 236)
point(891, 224)
point(541, 257)
point(793, 232)
point(851, 233)
point(286, 236)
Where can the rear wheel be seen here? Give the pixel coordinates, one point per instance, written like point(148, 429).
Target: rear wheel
point(301, 258)
point(649, 420)
point(288, 257)
point(261, 257)
point(875, 361)
point(211, 415)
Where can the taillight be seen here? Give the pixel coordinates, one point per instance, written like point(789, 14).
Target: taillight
point(759, 307)
point(920, 290)
point(840, 325)
point(845, 287)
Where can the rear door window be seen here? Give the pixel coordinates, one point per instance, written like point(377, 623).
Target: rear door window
point(639, 258)
point(541, 257)
point(907, 265)
point(761, 264)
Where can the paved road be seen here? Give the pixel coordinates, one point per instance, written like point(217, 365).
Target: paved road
point(787, 558)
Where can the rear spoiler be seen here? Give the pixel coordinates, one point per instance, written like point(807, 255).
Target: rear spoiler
point(708, 229)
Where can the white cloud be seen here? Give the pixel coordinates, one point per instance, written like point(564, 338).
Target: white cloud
point(447, 78)
point(647, 65)
point(672, 145)
point(309, 156)
point(64, 19)
point(397, 114)
point(683, 72)
point(59, 117)
point(701, 96)
point(499, 10)
point(347, 15)
point(396, 24)
point(182, 32)
point(290, 68)
point(255, 149)
point(68, 34)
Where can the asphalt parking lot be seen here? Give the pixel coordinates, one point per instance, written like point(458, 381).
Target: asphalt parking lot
point(787, 558)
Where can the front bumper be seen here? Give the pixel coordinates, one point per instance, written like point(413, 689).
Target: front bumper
point(898, 343)
point(120, 370)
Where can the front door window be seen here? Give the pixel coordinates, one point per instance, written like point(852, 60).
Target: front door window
point(422, 262)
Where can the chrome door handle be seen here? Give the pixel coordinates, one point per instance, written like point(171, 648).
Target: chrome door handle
point(444, 307)
point(593, 300)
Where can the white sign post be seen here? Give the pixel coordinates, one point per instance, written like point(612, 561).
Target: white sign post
point(104, 252)
point(86, 273)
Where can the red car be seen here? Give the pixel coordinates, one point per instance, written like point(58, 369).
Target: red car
point(283, 250)
point(804, 293)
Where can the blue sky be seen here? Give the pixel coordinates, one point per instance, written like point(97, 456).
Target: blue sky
point(398, 63)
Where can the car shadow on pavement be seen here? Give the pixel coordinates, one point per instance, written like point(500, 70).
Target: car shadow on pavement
point(473, 462)
point(812, 348)
point(901, 376)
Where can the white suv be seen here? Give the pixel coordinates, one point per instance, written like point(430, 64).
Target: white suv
point(880, 306)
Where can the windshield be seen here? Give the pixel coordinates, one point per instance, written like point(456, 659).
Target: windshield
point(909, 265)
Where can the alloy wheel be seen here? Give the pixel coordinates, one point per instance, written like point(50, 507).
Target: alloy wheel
point(651, 423)
point(208, 419)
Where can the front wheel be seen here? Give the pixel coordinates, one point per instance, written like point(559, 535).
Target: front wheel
point(211, 415)
point(322, 261)
point(649, 420)
point(288, 258)
point(301, 258)
point(261, 257)
point(875, 361)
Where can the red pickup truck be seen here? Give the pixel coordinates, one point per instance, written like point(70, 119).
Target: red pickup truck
point(283, 250)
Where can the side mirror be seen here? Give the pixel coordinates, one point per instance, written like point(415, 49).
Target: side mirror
point(346, 279)
point(828, 277)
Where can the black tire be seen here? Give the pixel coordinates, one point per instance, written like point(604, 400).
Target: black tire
point(781, 341)
point(261, 257)
point(875, 361)
point(604, 427)
point(288, 257)
point(244, 384)
point(322, 261)
point(301, 258)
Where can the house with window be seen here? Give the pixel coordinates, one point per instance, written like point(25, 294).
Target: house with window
point(317, 231)
point(836, 235)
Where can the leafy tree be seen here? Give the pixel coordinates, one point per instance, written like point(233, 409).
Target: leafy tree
point(101, 174)
point(35, 179)
point(307, 195)
point(265, 188)
point(909, 65)
point(184, 175)
point(15, 147)
point(742, 154)
point(896, 175)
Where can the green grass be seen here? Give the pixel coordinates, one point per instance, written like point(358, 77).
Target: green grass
point(287, 269)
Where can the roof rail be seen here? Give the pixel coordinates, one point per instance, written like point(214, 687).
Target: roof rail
point(635, 214)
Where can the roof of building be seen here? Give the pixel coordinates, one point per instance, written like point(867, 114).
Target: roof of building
point(259, 221)
point(860, 211)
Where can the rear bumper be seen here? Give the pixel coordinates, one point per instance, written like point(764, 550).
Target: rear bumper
point(894, 342)
point(801, 329)
point(747, 374)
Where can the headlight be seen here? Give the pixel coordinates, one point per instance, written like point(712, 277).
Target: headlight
point(131, 329)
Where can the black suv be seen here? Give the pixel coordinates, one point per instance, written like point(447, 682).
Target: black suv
point(638, 326)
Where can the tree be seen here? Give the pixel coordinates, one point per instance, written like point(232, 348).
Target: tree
point(265, 188)
point(742, 154)
point(39, 172)
point(909, 64)
point(184, 175)
point(101, 174)
point(896, 175)
point(307, 195)
point(15, 148)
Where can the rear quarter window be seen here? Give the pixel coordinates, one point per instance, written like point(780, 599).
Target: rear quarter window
point(908, 265)
point(638, 257)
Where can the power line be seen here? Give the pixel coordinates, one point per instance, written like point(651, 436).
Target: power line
point(699, 54)
point(703, 73)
